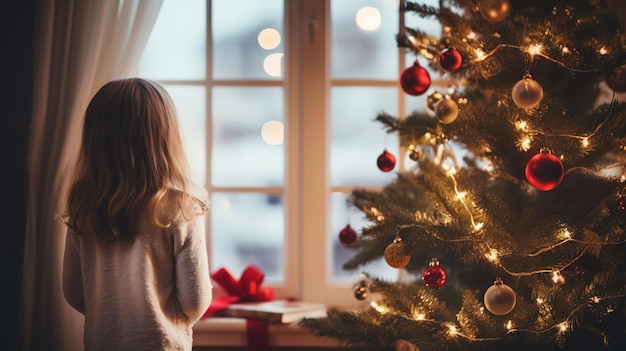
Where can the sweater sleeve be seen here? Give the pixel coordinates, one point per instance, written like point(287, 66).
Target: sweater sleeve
point(72, 274)
point(193, 283)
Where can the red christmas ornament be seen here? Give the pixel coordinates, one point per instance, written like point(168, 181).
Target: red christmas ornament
point(621, 204)
point(347, 235)
point(415, 80)
point(450, 59)
point(386, 161)
point(544, 171)
point(434, 275)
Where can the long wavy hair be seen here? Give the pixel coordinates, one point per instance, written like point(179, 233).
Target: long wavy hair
point(131, 163)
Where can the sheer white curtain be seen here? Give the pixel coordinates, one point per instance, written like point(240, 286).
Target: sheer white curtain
point(80, 45)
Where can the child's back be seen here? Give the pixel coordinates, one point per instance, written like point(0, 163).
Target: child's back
point(135, 259)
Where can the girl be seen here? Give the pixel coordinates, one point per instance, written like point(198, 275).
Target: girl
point(135, 261)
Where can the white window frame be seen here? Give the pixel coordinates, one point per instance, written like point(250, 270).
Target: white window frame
point(307, 190)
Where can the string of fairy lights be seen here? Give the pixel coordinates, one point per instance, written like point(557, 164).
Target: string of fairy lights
point(561, 326)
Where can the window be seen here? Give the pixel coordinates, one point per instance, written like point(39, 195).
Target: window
point(277, 100)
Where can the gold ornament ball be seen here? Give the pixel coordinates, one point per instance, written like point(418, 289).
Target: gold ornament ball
point(361, 293)
point(446, 110)
point(527, 93)
point(416, 154)
point(495, 10)
point(396, 254)
point(499, 298)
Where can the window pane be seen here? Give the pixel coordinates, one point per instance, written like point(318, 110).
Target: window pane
point(363, 44)
point(247, 39)
point(176, 49)
point(356, 138)
point(190, 104)
point(343, 214)
point(247, 136)
point(248, 229)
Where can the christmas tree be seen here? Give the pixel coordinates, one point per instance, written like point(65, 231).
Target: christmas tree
point(510, 224)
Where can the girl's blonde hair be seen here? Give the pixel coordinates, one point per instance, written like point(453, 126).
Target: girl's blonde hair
point(131, 163)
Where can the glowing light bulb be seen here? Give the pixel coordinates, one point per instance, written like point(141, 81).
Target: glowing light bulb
point(378, 214)
point(268, 38)
point(478, 226)
point(539, 301)
point(452, 329)
point(557, 277)
point(492, 255)
point(521, 125)
point(427, 54)
point(585, 142)
point(480, 54)
point(595, 299)
point(563, 327)
point(379, 308)
point(368, 19)
point(273, 132)
point(451, 171)
point(534, 49)
point(272, 64)
point(509, 325)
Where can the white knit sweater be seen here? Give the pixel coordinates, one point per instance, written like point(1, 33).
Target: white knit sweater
point(139, 294)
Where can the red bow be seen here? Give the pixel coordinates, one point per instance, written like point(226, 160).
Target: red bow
point(246, 289)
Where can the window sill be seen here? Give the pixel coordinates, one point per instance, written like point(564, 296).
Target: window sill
point(216, 331)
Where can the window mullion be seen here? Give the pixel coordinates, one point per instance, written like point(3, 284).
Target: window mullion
point(209, 110)
point(292, 194)
point(315, 136)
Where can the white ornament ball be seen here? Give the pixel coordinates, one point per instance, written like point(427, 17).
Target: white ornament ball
point(446, 110)
point(500, 298)
point(495, 10)
point(527, 93)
